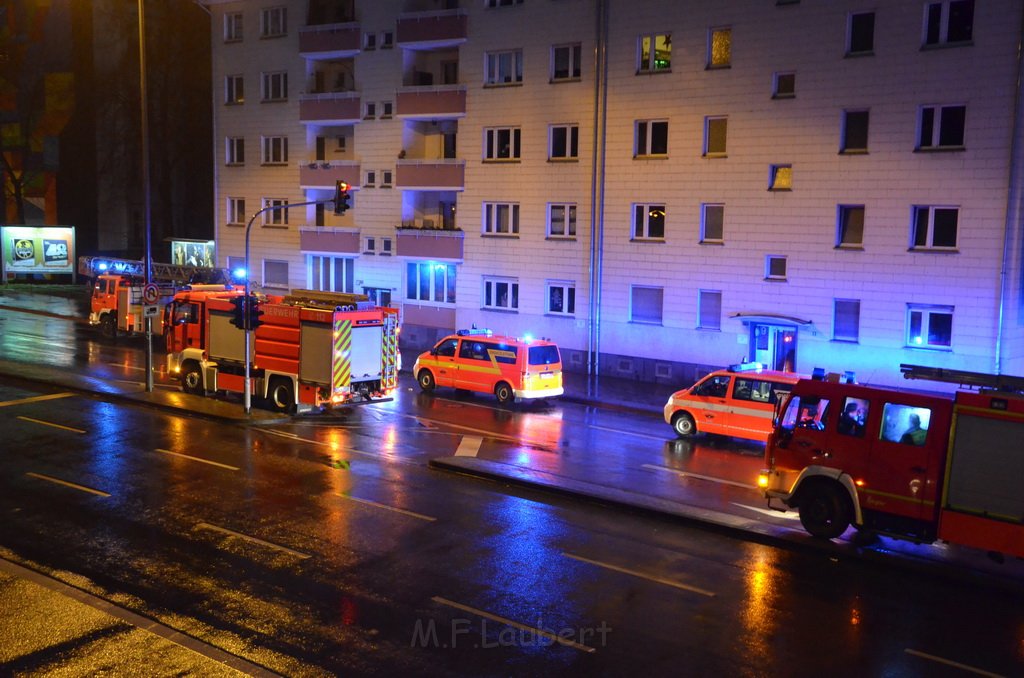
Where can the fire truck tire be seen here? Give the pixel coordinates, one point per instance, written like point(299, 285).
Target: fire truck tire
point(503, 392)
point(282, 395)
point(191, 378)
point(824, 510)
point(108, 326)
point(426, 380)
point(684, 425)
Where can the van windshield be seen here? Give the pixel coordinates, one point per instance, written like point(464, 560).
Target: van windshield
point(544, 355)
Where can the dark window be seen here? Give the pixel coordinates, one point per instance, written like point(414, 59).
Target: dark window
point(855, 131)
point(862, 33)
point(543, 355)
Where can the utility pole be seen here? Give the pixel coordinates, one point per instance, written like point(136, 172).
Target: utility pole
point(145, 186)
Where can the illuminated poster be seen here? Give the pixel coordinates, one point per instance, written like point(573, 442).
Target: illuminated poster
point(38, 249)
point(193, 253)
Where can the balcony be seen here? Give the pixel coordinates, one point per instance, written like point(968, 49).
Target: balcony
point(334, 240)
point(431, 103)
point(325, 174)
point(424, 243)
point(331, 108)
point(431, 30)
point(431, 175)
point(331, 41)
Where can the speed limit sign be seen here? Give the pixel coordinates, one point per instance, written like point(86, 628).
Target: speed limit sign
point(150, 293)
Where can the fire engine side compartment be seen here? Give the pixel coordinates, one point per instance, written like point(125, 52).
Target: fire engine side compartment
point(982, 504)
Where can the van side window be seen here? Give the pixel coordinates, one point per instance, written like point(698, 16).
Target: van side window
point(715, 387)
point(905, 424)
point(186, 313)
point(447, 348)
point(851, 421)
point(503, 353)
point(756, 390)
point(474, 350)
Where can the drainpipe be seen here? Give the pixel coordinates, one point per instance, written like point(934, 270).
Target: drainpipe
point(1013, 207)
point(597, 184)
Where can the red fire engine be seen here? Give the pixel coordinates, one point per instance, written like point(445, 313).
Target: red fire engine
point(913, 466)
point(311, 349)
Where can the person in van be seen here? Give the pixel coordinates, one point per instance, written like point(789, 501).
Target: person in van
point(850, 423)
point(914, 435)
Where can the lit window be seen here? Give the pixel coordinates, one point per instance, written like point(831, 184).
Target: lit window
point(430, 281)
point(929, 326)
point(648, 222)
point(935, 227)
point(780, 178)
point(654, 53)
point(719, 47)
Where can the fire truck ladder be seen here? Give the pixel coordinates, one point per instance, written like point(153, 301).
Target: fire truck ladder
point(996, 382)
point(161, 272)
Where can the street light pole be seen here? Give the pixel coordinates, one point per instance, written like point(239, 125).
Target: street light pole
point(145, 186)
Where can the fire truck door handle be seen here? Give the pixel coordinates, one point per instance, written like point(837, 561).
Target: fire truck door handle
point(918, 469)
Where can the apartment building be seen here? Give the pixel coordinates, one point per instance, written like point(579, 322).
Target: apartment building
point(660, 186)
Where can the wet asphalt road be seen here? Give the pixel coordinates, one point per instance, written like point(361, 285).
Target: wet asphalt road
point(327, 546)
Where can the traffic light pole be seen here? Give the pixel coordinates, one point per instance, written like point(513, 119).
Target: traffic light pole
point(248, 330)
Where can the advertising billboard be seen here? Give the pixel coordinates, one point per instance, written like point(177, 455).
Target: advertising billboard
point(193, 253)
point(38, 249)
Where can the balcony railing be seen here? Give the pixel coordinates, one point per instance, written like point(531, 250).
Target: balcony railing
point(431, 175)
point(329, 41)
point(431, 103)
point(431, 30)
point(322, 174)
point(330, 108)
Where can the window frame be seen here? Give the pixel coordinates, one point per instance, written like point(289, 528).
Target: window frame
point(234, 212)
point(273, 86)
point(926, 312)
point(234, 151)
point(942, 30)
point(780, 172)
point(575, 62)
point(650, 65)
point(776, 92)
point(277, 284)
point(769, 259)
point(843, 212)
point(493, 76)
point(710, 121)
point(274, 150)
point(704, 320)
point(845, 145)
point(489, 221)
point(846, 337)
point(569, 210)
point(445, 296)
point(704, 237)
point(234, 89)
point(568, 290)
point(633, 318)
point(234, 24)
point(641, 232)
point(386, 178)
point(929, 237)
point(276, 217)
point(938, 117)
point(710, 61)
point(489, 293)
point(328, 271)
point(492, 139)
point(644, 135)
point(273, 22)
point(572, 145)
point(851, 30)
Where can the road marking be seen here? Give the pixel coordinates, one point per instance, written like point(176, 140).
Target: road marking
point(204, 461)
point(787, 515)
point(627, 433)
point(949, 662)
point(469, 446)
point(687, 474)
point(65, 483)
point(385, 457)
point(255, 540)
point(386, 507)
point(36, 399)
point(641, 575)
point(514, 624)
point(47, 423)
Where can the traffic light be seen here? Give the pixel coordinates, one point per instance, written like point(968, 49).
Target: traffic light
point(238, 312)
point(341, 197)
point(254, 313)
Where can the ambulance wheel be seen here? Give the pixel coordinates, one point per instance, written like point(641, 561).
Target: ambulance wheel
point(684, 425)
point(108, 326)
point(426, 380)
point(503, 392)
point(282, 396)
point(192, 379)
point(824, 511)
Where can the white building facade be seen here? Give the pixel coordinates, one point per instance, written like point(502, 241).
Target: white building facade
point(661, 187)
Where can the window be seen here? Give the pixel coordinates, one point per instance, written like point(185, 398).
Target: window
point(501, 294)
point(654, 53)
point(758, 390)
point(236, 211)
point(719, 47)
point(370, 111)
point(941, 127)
point(565, 62)
point(387, 39)
point(780, 178)
point(854, 133)
point(714, 136)
point(273, 22)
point(234, 151)
point(935, 227)
point(564, 142)
point(501, 218)
point(370, 178)
point(850, 226)
point(784, 85)
point(645, 304)
point(503, 68)
point(775, 267)
point(948, 22)
point(561, 298)
point(709, 309)
point(430, 281)
point(275, 273)
point(385, 247)
point(385, 178)
point(275, 150)
point(648, 222)
point(905, 424)
point(369, 41)
point(860, 34)
point(712, 222)
point(562, 220)
point(853, 417)
point(501, 143)
point(234, 91)
point(846, 320)
point(275, 86)
point(331, 274)
point(651, 138)
point(233, 27)
point(714, 387)
point(929, 326)
point(370, 245)
point(810, 412)
point(387, 109)
point(503, 3)
point(277, 216)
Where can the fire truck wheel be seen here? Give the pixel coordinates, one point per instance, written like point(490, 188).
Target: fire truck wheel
point(684, 425)
point(192, 379)
point(282, 396)
point(503, 392)
point(426, 380)
point(824, 511)
point(108, 326)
